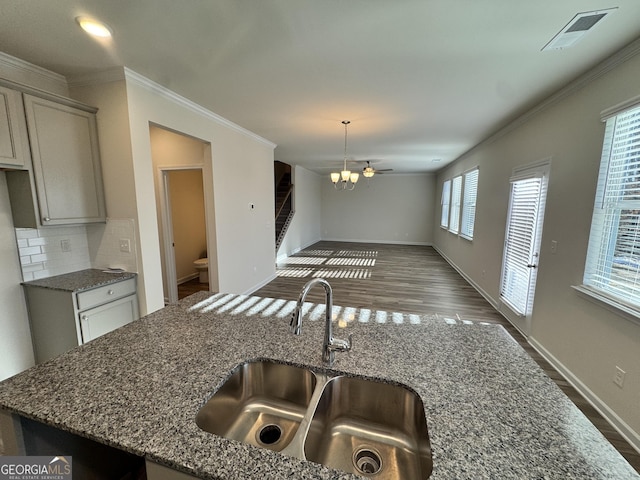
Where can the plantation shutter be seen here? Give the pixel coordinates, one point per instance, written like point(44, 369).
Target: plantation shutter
point(456, 191)
point(520, 256)
point(469, 203)
point(446, 196)
point(613, 258)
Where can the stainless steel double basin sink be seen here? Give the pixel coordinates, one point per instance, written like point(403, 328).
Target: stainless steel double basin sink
point(357, 425)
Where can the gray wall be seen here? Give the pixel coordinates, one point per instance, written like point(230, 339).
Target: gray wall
point(385, 209)
point(583, 339)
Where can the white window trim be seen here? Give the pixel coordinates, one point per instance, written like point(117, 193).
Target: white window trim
point(628, 312)
point(444, 219)
point(455, 205)
point(625, 310)
point(464, 190)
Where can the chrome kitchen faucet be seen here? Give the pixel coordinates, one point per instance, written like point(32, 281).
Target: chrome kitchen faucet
point(330, 344)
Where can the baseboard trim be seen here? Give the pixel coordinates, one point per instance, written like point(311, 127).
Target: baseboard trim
point(284, 256)
point(188, 278)
point(616, 422)
point(389, 242)
point(495, 304)
point(260, 285)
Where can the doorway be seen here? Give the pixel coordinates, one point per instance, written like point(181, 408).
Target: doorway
point(185, 233)
point(522, 243)
point(185, 208)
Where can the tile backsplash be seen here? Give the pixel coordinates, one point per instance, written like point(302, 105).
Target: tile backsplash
point(104, 244)
point(45, 252)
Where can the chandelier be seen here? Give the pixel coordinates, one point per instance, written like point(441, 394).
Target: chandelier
point(346, 178)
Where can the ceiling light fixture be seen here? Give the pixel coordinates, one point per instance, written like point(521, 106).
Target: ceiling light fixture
point(346, 178)
point(94, 27)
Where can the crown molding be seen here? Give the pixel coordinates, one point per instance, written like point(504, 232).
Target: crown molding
point(170, 95)
point(115, 74)
point(601, 69)
point(23, 67)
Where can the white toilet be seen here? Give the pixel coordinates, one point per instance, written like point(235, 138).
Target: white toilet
point(202, 266)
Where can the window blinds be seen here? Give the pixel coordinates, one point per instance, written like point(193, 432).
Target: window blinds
point(446, 195)
point(469, 203)
point(613, 258)
point(520, 258)
point(456, 191)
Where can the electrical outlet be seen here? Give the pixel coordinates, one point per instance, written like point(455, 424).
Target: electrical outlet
point(125, 245)
point(618, 377)
point(65, 245)
point(554, 247)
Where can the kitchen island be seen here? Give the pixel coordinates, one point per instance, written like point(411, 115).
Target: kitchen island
point(491, 411)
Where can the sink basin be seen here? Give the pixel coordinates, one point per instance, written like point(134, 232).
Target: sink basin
point(262, 403)
point(356, 425)
point(370, 428)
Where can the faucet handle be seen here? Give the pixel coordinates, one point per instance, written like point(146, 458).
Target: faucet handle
point(338, 345)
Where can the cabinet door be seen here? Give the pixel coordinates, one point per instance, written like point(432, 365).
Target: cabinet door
point(14, 149)
point(108, 317)
point(66, 162)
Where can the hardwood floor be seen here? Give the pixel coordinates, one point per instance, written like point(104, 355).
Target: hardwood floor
point(410, 279)
point(192, 286)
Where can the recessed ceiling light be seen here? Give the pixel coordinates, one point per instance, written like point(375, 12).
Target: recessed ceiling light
point(94, 27)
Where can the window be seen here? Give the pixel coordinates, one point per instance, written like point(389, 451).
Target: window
point(522, 238)
point(446, 195)
point(613, 258)
point(469, 203)
point(456, 190)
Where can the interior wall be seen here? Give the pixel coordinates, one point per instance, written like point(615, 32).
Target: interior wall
point(16, 351)
point(171, 150)
point(385, 209)
point(305, 228)
point(241, 176)
point(583, 339)
point(187, 211)
point(117, 175)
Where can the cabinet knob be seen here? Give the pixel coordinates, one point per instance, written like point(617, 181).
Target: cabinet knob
point(110, 292)
point(84, 318)
point(46, 219)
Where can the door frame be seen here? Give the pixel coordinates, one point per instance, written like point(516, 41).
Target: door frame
point(542, 168)
point(167, 226)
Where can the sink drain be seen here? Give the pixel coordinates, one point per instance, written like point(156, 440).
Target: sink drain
point(269, 434)
point(367, 461)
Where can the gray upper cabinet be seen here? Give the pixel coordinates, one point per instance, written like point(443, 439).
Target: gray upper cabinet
point(50, 146)
point(14, 146)
point(66, 162)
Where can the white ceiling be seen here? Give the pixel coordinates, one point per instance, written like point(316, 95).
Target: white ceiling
point(418, 79)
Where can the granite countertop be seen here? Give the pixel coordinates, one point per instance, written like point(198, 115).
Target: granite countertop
point(491, 411)
point(81, 280)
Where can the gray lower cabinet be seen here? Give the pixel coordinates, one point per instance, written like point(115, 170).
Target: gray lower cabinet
point(61, 320)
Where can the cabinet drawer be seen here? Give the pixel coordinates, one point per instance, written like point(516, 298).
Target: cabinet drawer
point(108, 293)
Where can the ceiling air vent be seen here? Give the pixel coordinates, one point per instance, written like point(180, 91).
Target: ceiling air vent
point(576, 29)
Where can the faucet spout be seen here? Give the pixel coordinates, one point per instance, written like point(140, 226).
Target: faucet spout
point(330, 345)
